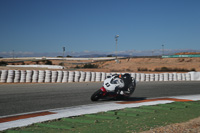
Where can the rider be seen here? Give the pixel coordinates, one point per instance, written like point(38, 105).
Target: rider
point(124, 81)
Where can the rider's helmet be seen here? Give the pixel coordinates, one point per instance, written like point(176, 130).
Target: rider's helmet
point(113, 82)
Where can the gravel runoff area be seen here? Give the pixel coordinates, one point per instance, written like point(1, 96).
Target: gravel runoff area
point(191, 126)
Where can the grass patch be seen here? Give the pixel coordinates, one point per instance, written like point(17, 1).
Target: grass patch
point(126, 120)
point(3, 63)
point(87, 66)
point(166, 69)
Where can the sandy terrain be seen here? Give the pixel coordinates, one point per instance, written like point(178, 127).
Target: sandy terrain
point(192, 126)
point(132, 64)
point(125, 65)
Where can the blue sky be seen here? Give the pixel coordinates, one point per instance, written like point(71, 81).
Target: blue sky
point(89, 26)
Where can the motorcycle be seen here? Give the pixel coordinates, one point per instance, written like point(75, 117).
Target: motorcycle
point(117, 86)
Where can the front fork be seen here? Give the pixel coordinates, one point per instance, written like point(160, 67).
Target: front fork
point(109, 94)
point(103, 90)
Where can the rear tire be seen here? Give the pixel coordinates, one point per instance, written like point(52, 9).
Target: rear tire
point(97, 95)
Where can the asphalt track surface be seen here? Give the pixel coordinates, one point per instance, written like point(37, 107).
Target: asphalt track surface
point(22, 98)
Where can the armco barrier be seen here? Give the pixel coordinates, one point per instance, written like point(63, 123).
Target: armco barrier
point(48, 76)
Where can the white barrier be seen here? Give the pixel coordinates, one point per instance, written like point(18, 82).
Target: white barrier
point(157, 77)
point(98, 77)
point(35, 76)
point(138, 77)
point(187, 76)
point(29, 76)
point(170, 76)
point(10, 77)
point(23, 76)
point(65, 77)
point(82, 78)
point(142, 75)
point(161, 77)
point(93, 76)
point(54, 76)
point(103, 76)
point(133, 75)
point(108, 74)
point(60, 76)
point(88, 77)
point(195, 75)
point(183, 77)
point(49, 76)
point(77, 75)
point(17, 76)
point(152, 77)
point(179, 76)
point(71, 76)
point(166, 76)
point(4, 75)
point(41, 76)
point(147, 77)
point(174, 76)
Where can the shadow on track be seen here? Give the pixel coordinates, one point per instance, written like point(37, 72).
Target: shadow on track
point(124, 99)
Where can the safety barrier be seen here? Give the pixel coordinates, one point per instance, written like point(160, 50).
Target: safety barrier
point(65, 76)
point(48, 76)
point(35, 76)
point(54, 76)
point(22, 76)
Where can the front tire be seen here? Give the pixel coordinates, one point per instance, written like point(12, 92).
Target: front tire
point(97, 95)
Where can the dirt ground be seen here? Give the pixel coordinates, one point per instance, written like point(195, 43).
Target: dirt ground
point(133, 64)
point(147, 65)
point(192, 126)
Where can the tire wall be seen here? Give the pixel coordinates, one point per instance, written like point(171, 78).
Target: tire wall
point(50, 76)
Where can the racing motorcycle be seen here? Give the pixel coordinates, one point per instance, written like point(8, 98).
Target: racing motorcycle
point(117, 86)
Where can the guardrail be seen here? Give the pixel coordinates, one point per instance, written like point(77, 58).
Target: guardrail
point(48, 76)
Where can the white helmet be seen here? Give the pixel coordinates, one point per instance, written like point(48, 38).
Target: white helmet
point(112, 82)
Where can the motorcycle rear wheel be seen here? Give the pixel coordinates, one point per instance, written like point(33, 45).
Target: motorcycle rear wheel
point(97, 95)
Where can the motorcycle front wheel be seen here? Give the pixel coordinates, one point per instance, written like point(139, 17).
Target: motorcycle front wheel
point(97, 95)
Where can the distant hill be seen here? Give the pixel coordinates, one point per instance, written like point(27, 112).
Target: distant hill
point(102, 55)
